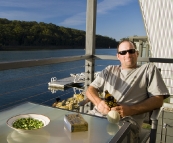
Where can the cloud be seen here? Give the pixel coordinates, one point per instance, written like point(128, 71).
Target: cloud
point(28, 10)
point(77, 19)
point(21, 4)
point(38, 10)
point(103, 7)
point(23, 16)
point(72, 12)
point(107, 5)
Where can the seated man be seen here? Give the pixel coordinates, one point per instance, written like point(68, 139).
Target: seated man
point(137, 89)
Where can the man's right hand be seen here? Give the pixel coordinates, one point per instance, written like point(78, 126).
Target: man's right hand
point(103, 108)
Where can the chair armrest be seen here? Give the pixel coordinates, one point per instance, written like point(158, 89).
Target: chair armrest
point(155, 114)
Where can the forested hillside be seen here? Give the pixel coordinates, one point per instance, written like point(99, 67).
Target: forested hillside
point(26, 35)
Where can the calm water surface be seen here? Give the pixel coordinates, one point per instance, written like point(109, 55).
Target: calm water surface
point(31, 84)
point(26, 55)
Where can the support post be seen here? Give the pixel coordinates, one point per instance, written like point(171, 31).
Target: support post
point(140, 49)
point(147, 50)
point(90, 41)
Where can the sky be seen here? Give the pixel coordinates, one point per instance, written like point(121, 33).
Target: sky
point(116, 19)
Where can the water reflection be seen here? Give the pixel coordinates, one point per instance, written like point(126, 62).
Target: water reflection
point(112, 129)
point(76, 136)
point(28, 137)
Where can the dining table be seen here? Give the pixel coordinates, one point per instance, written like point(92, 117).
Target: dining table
point(99, 129)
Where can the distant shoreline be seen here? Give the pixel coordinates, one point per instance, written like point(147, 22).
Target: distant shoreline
point(32, 48)
point(26, 48)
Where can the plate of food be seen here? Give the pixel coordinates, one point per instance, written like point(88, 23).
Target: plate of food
point(28, 122)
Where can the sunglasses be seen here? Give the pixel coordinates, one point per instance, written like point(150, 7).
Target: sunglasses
point(131, 51)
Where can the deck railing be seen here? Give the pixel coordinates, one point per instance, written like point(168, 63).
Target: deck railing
point(40, 62)
point(47, 61)
point(37, 79)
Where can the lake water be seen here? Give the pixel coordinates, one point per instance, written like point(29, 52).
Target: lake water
point(31, 84)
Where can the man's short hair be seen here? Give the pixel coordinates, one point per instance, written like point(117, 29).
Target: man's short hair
point(126, 40)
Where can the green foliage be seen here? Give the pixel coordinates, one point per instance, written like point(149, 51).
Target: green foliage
point(22, 33)
point(146, 126)
point(167, 100)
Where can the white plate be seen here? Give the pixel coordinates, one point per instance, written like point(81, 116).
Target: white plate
point(39, 117)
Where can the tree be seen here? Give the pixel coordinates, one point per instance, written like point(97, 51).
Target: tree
point(22, 33)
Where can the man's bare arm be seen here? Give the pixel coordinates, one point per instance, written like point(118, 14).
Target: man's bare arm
point(93, 96)
point(145, 106)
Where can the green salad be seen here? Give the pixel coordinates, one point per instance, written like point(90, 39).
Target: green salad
point(28, 124)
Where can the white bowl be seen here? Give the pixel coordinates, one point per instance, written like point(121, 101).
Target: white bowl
point(39, 117)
